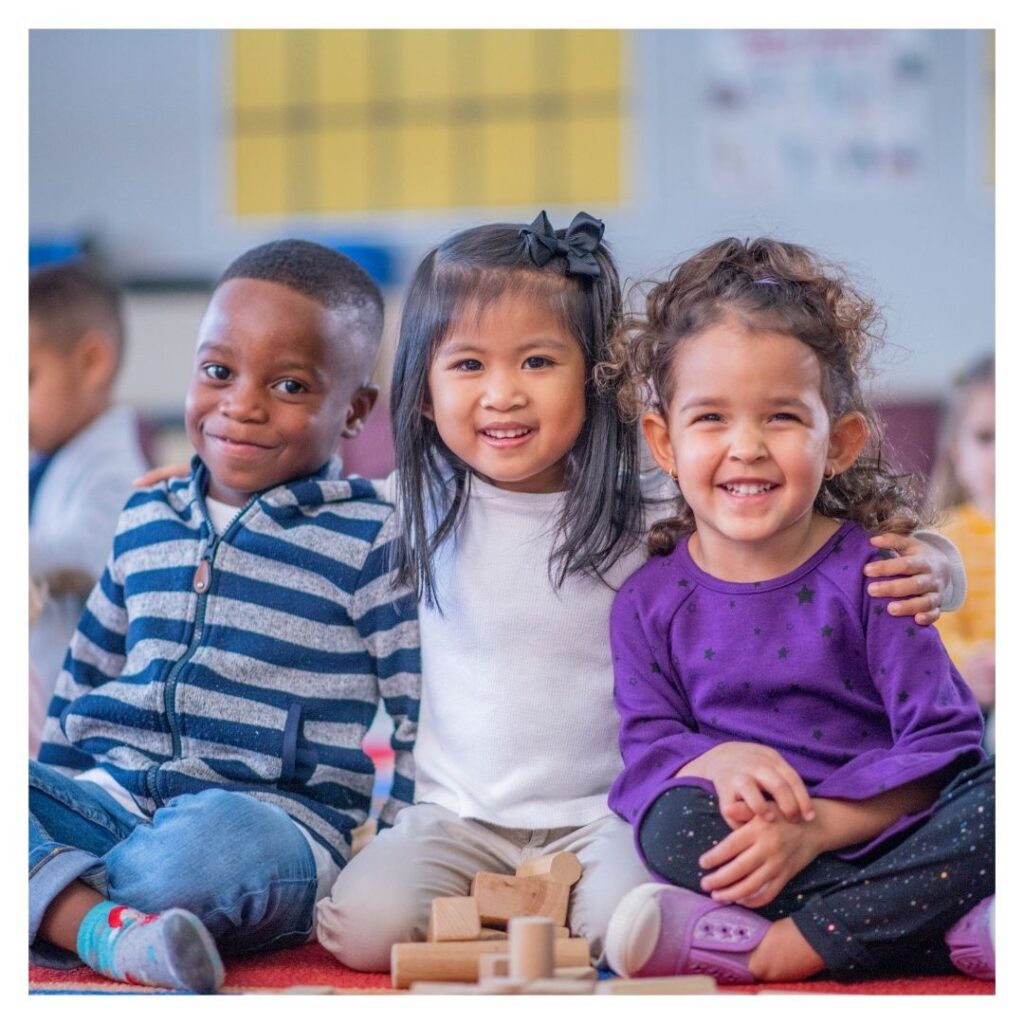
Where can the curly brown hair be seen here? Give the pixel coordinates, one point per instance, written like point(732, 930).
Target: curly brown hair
point(768, 285)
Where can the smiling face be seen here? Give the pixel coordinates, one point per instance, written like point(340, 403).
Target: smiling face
point(507, 394)
point(749, 436)
point(272, 390)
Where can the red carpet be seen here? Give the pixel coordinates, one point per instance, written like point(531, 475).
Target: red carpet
point(313, 966)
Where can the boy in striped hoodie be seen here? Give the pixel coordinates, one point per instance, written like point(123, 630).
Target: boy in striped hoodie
point(201, 769)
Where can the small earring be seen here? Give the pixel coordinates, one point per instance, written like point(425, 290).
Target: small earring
point(675, 476)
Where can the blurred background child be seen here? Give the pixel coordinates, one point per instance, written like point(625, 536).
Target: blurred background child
point(964, 485)
point(84, 449)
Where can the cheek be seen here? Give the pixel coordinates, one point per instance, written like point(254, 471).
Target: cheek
point(195, 409)
point(809, 453)
point(696, 457)
point(449, 409)
point(576, 415)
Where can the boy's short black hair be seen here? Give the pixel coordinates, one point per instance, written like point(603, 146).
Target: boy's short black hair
point(322, 274)
point(73, 298)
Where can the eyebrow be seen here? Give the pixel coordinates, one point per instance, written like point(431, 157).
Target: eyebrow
point(777, 401)
point(456, 347)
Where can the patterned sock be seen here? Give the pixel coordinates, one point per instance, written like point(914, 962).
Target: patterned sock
point(168, 950)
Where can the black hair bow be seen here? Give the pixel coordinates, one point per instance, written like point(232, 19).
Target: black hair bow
point(582, 238)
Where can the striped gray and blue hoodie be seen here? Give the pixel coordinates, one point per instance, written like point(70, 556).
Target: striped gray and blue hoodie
point(253, 661)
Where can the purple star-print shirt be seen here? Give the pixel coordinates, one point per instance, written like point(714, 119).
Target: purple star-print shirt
point(857, 701)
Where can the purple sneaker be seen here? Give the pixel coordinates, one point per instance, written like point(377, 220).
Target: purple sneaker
point(660, 931)
point(971, 941)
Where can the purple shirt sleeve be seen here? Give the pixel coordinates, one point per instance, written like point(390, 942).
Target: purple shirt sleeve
point(657, 732)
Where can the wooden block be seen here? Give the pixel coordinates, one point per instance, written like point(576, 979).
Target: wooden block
point(460, 961)
point(577, 973)
point(500, 986)
point(453, 919)
point(505, 987)
point(531, 944)
point(492, 965)
point(690, 984)
point(558, 987)
point(449, 988)
point(499, 898)
point(561, 932)
point(555, 867)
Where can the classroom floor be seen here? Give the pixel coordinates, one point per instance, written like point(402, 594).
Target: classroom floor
point(311, 969)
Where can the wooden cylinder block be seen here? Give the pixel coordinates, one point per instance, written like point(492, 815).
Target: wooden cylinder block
point(531, 942)
point(460, 961)
point(563, 866)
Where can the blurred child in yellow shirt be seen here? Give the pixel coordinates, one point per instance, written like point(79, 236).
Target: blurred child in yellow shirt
point(964, 484)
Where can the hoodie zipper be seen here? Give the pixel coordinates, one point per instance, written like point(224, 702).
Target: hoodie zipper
point(202, 580)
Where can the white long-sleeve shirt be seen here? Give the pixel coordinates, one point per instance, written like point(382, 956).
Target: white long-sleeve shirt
point(73, 521)
point(517, 725)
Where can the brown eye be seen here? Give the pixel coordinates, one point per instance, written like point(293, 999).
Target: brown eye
point(216, 371)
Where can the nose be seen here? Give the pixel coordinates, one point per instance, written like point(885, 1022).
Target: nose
point(243, 401)
point(747, 443)
point(502, 390)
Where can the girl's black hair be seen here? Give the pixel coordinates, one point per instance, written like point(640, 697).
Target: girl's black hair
point(600, 518)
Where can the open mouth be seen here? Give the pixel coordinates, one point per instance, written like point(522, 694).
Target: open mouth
point(511, 436)
point(750, 490)
point(507, 435)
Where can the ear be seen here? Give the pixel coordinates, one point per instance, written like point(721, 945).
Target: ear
point(96, 359)
point(659, 441)
point(359, 409)
point(427, 408)
point(846, 442)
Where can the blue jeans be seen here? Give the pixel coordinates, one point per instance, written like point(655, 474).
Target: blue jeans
point(242, 866)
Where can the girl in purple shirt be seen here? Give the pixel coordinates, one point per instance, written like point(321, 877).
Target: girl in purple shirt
point(803, 769)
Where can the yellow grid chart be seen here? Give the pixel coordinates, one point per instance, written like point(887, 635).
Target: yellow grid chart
point(332, 121)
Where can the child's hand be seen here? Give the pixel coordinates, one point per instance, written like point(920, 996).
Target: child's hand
point(159, 474)
point(757, 859)
point(926, 574)
point(743, 773)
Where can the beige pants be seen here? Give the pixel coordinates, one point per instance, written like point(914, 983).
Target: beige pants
point(383, 896)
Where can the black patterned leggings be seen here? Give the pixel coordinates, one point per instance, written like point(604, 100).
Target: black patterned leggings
point(883, 914)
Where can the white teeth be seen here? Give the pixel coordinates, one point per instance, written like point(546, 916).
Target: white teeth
point(745, 490)
point(502, 434)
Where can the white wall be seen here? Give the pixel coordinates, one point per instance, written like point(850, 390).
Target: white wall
point(125, 143)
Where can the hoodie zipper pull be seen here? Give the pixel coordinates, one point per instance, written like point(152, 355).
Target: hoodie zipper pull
point(201, 579)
